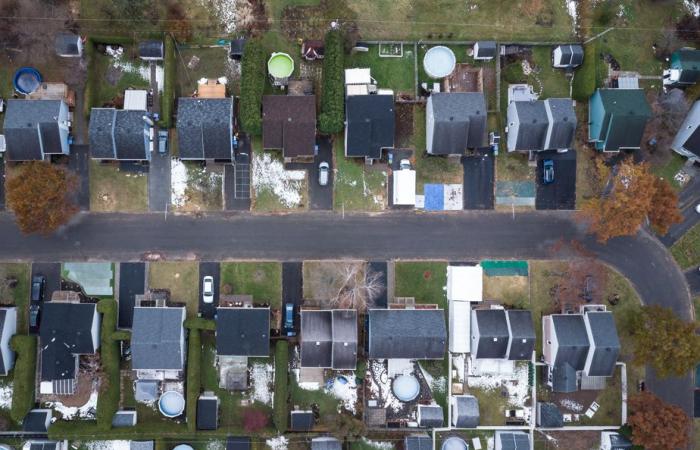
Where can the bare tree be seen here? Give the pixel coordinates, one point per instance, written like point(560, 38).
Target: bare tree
point(357, 287)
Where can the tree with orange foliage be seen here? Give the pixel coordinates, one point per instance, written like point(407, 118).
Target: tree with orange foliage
point(41, 196)
point(657, 425)
point(635, 194)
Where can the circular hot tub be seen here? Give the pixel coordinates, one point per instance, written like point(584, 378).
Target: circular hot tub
point(171, 404)
point(454, 443)
point(439, 61)
point(406, 387)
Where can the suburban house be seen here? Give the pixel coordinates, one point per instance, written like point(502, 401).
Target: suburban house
point(498, 338)
point(465, 411)
point(328, 339)
point(289, 124)
point(121, 134)
point(240, 333)
point(312, 49)
point(67, 330)
point(541, 125)
point(205, 128)
point(611, 440)
point(325, 443)
point(617, 118)
point(407, 334)
point(68, 45)
point(151, 50)
point(8, 328)
point(683, 70)
point(485, 50)
point(36, 129)
point(464, 286)
point(512, 440)
point(580, 350)
point(455, 122)
point(567, 56)
point(158, 343)
point(687, 140)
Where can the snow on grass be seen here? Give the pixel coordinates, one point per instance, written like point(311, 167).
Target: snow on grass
point(178, 182)
point(381, 386)
point(381, 445)
point(693, 7)
point(516, 384)
point(278, 443)
point(224, 10)
point(108, 445)
point(6, 396)
point(269, 174)
point(142, 70)
point(571, 8)
point(436, 384)
point(571, 405)
point(87, 411)
point(458, 364)
point(216, 445)
point(261, 376)
point(346, 393)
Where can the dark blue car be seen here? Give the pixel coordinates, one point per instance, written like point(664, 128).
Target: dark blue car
point(548, 171)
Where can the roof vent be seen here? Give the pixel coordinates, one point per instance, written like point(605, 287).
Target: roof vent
point(451, 118)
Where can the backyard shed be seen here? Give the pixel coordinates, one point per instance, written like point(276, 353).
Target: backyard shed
point(512, 440)
point(484, 50)
point(236, 48)
point(684, 68)
point(124, 419)
point(548, 415)
point(419, 441)
point(68, 45)
point(325, 443)
point(302, 420)
point(136, 99)
point(37, 421)
point(151, 50)
point(567, 56)
point(430, 416)
point(465, 411)
point(207, 412)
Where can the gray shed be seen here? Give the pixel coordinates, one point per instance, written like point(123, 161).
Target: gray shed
point(146, 391)
point(325, 443)
point(418, 442)
point(465, 411)
point(549, 416)
point(151, 50)
point(123, 419)
point(430, 416)
point(68, 45)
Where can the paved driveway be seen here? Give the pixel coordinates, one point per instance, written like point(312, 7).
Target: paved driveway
point(79, 163)
point(159, 182)
point(52, 272)
point(479, 173)
point(321, 197)
point(237, 179)
point(380, 267)
point(212, 269)
point(561, 194)
point(293, 287)
point(2, 184)
point(132, 282)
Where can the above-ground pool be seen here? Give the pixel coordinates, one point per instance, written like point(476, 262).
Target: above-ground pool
point(439, 61)
point(171, 404)
point(280, 65)
point(26, 80)
point(406, 387)
point(454, 443)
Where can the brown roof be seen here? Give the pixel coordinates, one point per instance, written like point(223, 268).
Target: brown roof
point(289, 123)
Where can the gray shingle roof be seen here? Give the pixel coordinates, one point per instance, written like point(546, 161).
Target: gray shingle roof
point(549, 416)
point(207, 413)
point(289, 123)
point(431, 416)
point(493, 333)
point(465, 411)
point(562, 122)
point(533, 125)
point(151, 49)
point(486, 49)
point(513, 440)
point(124, 419)
point(141, 445)
point(564, 378)
point(418, 442)
point(100, 131)
point(688, 137)
point(157, 338)
point(329, 339)
point(204, 128)
point(370, 124)
point(522, 334)
point(3, 319)
point(606, 341)
point(243, 331)
point(573, 342)
point(407, 333)
point(460, 122)
point(118, 134)
point(36, 420)
point(571, 55)
point(325, 443)
point(25, 121)
point(302, 420)
point(66, 44)
point(344, 339)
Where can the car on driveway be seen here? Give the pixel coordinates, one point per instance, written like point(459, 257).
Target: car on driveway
point(163, 141)
point(34, 310)
point(38, 287)
point(323, 170)
point(208, 290)
point(289, 319)
point(547, 171)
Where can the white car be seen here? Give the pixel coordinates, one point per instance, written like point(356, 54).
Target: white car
point(208, 289)
point(697, 208)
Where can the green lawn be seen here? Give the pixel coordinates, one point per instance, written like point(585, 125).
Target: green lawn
point(112, 190)
point(262, 280)
point(423, 280)
point(391, 73)
point(357, 187)
point(544, 78)
point(18, 295)
point(670, 169)
point(513, 166)
point(686, 250)
point(265, 198)
point(181, 278)
point(213, 63)
point(327, 404)
point(106, 91)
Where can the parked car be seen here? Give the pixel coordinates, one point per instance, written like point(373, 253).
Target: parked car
point(163, 141)
point(289, 318)
point(697, 208)
point(34, 310)
point(208, 289)
point(405, 164)
point(38, 287)
point(548, 171)
point(323, 170)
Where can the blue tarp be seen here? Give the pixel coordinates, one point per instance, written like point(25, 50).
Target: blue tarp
point(434, 197)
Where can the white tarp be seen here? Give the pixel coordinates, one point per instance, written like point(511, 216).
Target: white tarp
point(460, 326)
point(135, 99)
point(404, 187)
point(358, 76)
point(465, 283)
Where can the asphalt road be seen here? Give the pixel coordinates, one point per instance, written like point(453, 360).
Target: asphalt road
point(319, 235)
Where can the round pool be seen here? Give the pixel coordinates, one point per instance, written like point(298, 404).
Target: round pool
point(171, 404)
point(280, 65)
point(406, 387)
point(439, 61)
point(183, 447)
point(454, 443)
point(27, 80)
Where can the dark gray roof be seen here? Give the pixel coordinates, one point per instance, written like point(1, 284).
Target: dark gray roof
point(25, 121)
point(204, 128)
point(625, 114)
point(325, 443)
point(207, 413)
point(466, 411)
point(66, 44)
point(124, 419)
point(302, 420)
point(344, 339)
point(329, 339)
point(289, 123)
point(549, 416)
point(431, 416)
point(564, 378)
point(493, 333)
point(37, 421)
point(238, 443)
point(65, 331)
point(571, 335)
point(243, 331)
point(533, 125)
point(118, 134)
point(418, 442)
point(513, 440)
point(43, 445)
point(619, 442)
point(370, 124)
point(141, 445)
point(460, 122)
point(487, 49)
point(100, 131)
point(151, 49)
point(562, 122)
point(157, 338)
point(606, 341)
point(522, 334)
point(3, 317)
point(571, 55)
point(407, 333)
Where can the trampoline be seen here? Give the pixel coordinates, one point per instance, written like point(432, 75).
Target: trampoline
point(439, 61)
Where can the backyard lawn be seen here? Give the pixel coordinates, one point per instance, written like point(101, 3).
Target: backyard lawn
point(513, 166)
point(262, 280)
point(17, 295)
point(670, 169)
point(423, 280)
point(113, 76)
point(181, 278)
point(213, 63)
point(304, 398)
point(274, 188)
point(431, 169)
point(686, 250)
point(114, 190)
point(357, 187)
point(390, 72)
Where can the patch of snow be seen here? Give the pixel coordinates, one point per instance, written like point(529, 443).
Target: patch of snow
point(142, 70)
point(178, 182)
point(87, 411)
point(436, 384)
point(489, 443)
point(693, 7)
point(571, 405)
point(381, 388)
point(6, 396)
point(261, 376)
point(224, 10)
point(458, 364)
point(108, 445)
point(571, 8)
point(269, 174)
point(515, 384)
point(527, 69)
point(216, 445)
point(278, 443)
point(346, 393)
point(622, 10)
point(381, 445)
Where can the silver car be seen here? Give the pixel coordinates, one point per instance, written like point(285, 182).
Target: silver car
point(323, 170)
point(208, 289)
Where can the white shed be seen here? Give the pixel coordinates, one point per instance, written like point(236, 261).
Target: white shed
point(460, 323)
point(404, 187)
point(136, 99)
point(465, 283)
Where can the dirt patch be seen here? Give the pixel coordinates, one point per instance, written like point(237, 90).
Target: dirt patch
point(86, 378)
point(669, 111)
point(404, 124)
point(311, 21)
point(580, 440)
point(513, 290)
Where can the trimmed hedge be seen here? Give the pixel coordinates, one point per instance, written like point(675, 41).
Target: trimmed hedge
point(332, 117)
point(252, 87)
point(585, 77)
point(194, 378)
point(200, 323)
point(168, 96)
point(24, 374)
point(121, 335)
point(108, 399)
point(281, 408)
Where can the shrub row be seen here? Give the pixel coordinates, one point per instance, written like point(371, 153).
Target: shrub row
point(332, 117)
point(281, 409)
point(108, 399)
point(167, 99)
point(252, 86)
point(585, 76)
point(25, 368)
point(194, 379)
